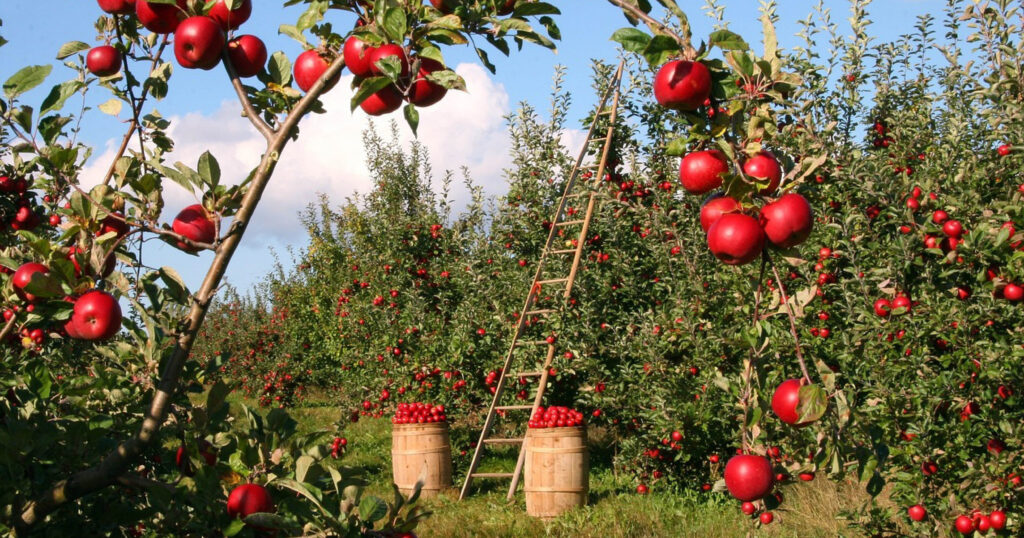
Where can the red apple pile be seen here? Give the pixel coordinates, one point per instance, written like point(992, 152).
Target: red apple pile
point(419, 413)
point(556, 417)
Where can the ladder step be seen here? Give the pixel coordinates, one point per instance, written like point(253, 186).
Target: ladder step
point(532, 343)
point(491, 475)
point(553, 281)
point(513, 408)
point(530, 374)
point(570, 222)
point(544, 311)
point(503, 441)
point(564, 251)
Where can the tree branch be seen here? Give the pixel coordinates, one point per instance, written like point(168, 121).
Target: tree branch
point(117, 462)
point(250, 112)
point(792, 322)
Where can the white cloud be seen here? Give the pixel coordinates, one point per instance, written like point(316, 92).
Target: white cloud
point(464, 129)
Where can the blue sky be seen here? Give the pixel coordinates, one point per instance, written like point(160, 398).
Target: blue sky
point(464, 130)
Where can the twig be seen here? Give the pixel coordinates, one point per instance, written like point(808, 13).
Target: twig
point(792, 321)
point(243, 98)
point(8, 327)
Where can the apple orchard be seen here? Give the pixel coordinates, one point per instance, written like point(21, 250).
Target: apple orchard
point(805, 266)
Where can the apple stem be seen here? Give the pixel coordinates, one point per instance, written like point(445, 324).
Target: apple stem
point(250, 112)
point(792, 320)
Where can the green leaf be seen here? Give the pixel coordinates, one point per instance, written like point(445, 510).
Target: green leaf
point(217, 396)
point(372, 509)
point(726, 40)
point(677, 147)
point(660, 50)
point(293, 32)
point(813, 403)
point(58, 95)
point(528, 9)
point(112, 107)
point(70, 48)
point(175, 285)
point(26, 79)
point(369, 87)
point(280, 68)
point(412, 117)
point(631, 39)
point(395, 25)
point(209, 169)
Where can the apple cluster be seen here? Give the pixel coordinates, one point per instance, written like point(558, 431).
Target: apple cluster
point(199, 39)
point(17, 210)
point(968, 525)
point(362, 59)
point(734, 236)
point(556, 417)
point(419, 413)
point(337, 446)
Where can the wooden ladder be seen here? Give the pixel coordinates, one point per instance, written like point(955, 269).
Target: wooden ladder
point(601, 131)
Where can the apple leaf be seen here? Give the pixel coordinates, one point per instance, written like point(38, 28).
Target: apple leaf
point(280, 68)
point(263, 520)
point(209, 169)
point(412, 117)
point(372, 509)
point(369, 87)
point(631, 39)
point(70, 48)
point(292, 32)
point(660, 49)
point(526, 9)
point(44, 286)
point(677, 147)
point(58, 95)
point(813, 403)
point(395, 24)
point(26, 79)
point(726, 40)
point(111, 107)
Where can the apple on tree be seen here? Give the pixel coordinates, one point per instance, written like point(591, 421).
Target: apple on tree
point(749, 477)
point(103, 61)
point(198, 43)
point(736, 239)
point(764, 166)
point(117, 7)
point(786, 402)
point(357, 56)
point(248, 55)
point(714, 207)
point(787, 221)
point(389, 50)
point(424, 92)
point(701, 172)
point(309, 67)
point(23, 275)
point(230, 19)
point(161, 18)
point(384, 101)
point(195, 224)
point(248, 499)
point(682, 85)
point(96, 316)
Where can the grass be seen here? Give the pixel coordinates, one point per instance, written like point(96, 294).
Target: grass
point(810, 509)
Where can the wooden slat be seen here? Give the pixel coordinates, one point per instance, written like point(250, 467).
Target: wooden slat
point(514, 407)
point(491, 475)
point(529, 374)
point(570, 222)
point(563, 251)
point(503, 441)
point(539, 312)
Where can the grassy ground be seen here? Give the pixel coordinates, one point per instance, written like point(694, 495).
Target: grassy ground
point(809, 510)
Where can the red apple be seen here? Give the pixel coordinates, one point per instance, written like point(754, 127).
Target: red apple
point(917, 512)
point(74, 253)
point(682, 85)
point(642, 489)
point(882, 307)
point(714, 207)
point(1012, 292)
point(508, 7)
point(787, 221)
point(766, 518)
point(248, 55)
point(249, 499)
point(23, 275)
point(702, 171)
point(736, 239)
point(230, 19)
point(763, 166)
point(117, 7)
point(195, 224)
point(964, 525)
point(998, 519)
point(444, 6)
point(103, 61)
point(1003, 150)
point(952, 228)
point(748, 508)
point(309, 67)
point(383, 102)
point(160, 18)
point(113, 223)
point(423, 92)
point(749, 477)
point(198, 43)
point(96, 316)
point(388, 51)
point(357, 56)
point(939, 216)
point(786, 402)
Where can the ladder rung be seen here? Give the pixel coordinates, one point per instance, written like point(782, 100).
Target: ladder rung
point(503, 441)
point(514, 407)
point(604, 112)
point(579, 194)
point(564, 251)
point(530, 374)
point(544, 311)
point(553, 281)
point(532, 342)
point(491, 475)
point(570, 222)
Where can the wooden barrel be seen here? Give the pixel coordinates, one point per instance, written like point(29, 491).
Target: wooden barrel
point(557, 470)
point(421, 449)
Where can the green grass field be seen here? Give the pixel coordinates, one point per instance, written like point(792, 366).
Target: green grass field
point(809, 510)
